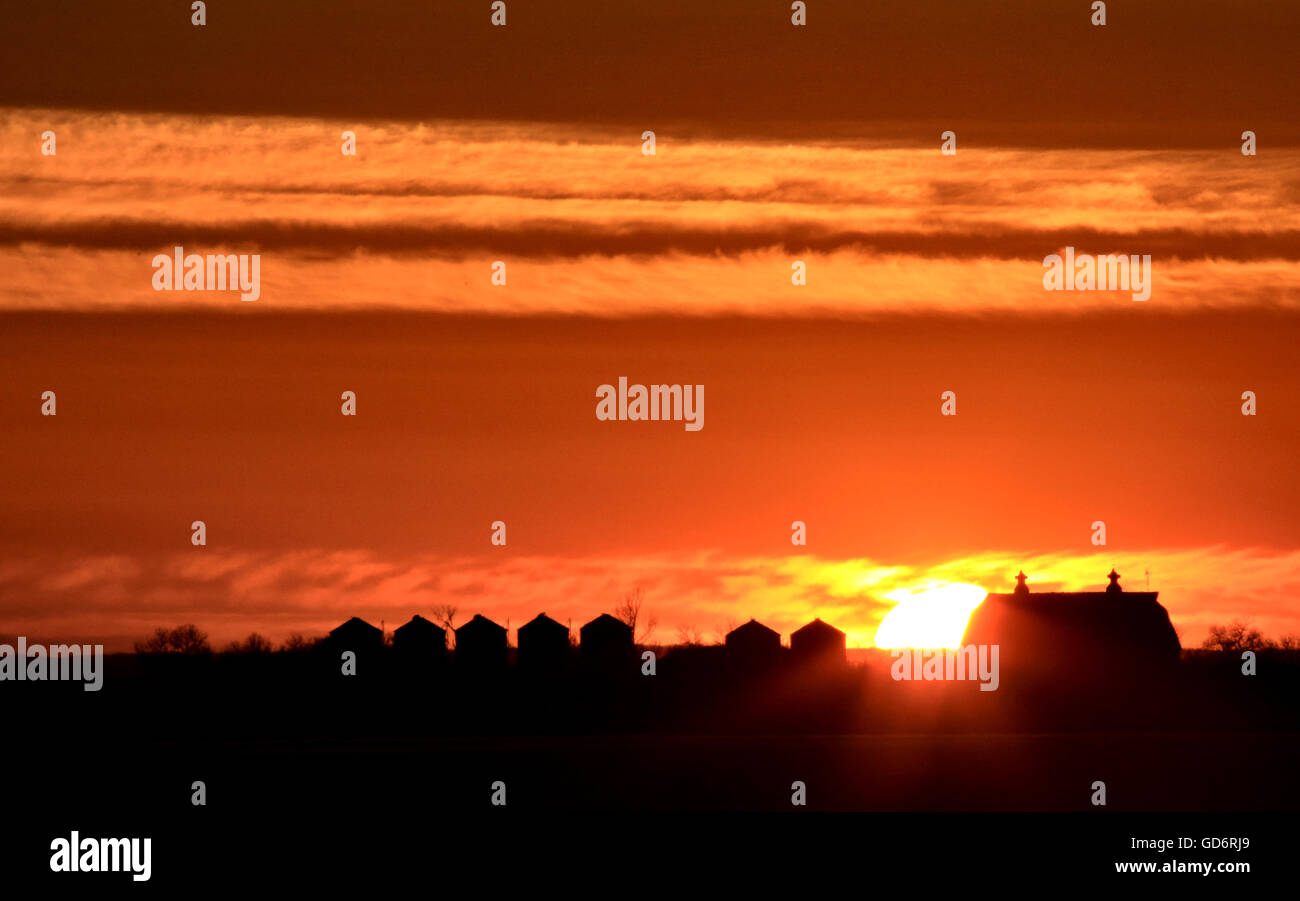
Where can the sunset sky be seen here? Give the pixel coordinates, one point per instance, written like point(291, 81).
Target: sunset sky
point(476, 402)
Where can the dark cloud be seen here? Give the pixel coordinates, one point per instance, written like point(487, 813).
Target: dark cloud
point(574, 239)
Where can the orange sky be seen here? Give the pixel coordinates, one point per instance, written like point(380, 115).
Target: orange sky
point(476, 402)
point(1128, 417)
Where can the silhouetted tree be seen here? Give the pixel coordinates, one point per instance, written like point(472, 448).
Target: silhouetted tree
point(445, 616)
point(629, 611)
point(1236, 636)
point(297, 643)
point(187, 639)
point(253, 644)
point(691, 636)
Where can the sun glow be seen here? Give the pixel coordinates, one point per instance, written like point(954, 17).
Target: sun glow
point(931, 616)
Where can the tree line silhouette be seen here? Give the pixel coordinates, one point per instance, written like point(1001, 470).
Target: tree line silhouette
point(188, 638)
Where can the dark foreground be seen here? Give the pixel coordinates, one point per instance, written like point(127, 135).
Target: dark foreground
point(694, 774)
point(304, 809)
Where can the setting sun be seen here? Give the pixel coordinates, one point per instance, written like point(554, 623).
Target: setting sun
point(933, 617)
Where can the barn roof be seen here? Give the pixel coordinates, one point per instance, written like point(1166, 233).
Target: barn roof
point(1058, 622)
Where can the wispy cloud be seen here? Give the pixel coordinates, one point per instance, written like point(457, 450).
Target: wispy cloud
point(588, 224)
point(234, 592)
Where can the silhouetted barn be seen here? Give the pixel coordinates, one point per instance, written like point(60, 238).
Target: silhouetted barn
point(543, 644)
point(753, 647)
point(818, 643)
point(1076, 637)
point(481, 644)
point(420, 639)
point(606, 643)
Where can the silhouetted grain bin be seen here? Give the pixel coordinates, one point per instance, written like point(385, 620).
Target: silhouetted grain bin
point(753, 647)
point(543, 644)
point(607, 644)
point(420, 639)
point(481, 645)
point(818, 644)
point(356, 635)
